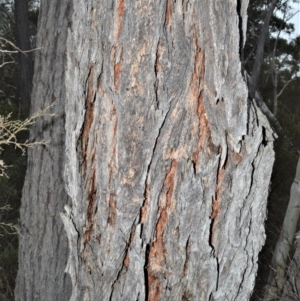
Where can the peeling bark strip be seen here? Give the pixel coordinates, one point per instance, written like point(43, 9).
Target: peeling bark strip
point(120, 14)
point(161, 158)
point(168, 18)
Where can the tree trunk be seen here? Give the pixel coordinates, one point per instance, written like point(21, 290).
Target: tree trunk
point(278, 266)
point(275, 88)
point(165, 161)
point(25, 60)
point(259, 57)
point(43, 247)
point(291, 289)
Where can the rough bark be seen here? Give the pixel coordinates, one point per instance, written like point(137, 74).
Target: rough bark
point(25, 60)
point(277, 276)
point(160, 167)
point(43, 247)
point(167, 163)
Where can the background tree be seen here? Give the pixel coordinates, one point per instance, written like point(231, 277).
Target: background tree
point(156, 155)
point(292, 286)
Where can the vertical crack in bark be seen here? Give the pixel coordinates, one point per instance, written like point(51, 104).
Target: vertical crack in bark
point(216, 210)
point(187, 257)
point(252, 174)
point(218, 273)
point(157, 69)
point(125, 262)
point(146, 278)
point(88, 119)
point(216, 201)
point(144, 213)
point(213, 217)
point(241, 33)
point(157, 250)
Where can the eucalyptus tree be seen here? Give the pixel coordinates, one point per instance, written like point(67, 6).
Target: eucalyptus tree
point(153, 186)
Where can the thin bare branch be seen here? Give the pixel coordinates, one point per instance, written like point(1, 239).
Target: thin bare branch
point(6, 63)
point(286, 84)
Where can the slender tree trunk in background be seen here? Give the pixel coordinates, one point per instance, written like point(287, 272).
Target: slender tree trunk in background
point(165, 161)
point(25, 61)
point(291, 289)
point(275, 87)
point(43, 246)
point(259, 57)
point(278, 266)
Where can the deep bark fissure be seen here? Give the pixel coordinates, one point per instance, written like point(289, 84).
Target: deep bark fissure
point(146, 276)
point(156, 71)
point(240, 27)
point(125, 261)
point(216, 202)
point(187, 255)
point(252, 176)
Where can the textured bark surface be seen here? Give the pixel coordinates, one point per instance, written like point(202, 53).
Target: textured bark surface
point(43, 248)
point(166, 163)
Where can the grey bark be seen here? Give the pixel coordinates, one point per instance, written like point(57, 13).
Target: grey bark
point(166, 161)
point(25, 60)
point(43, 247)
